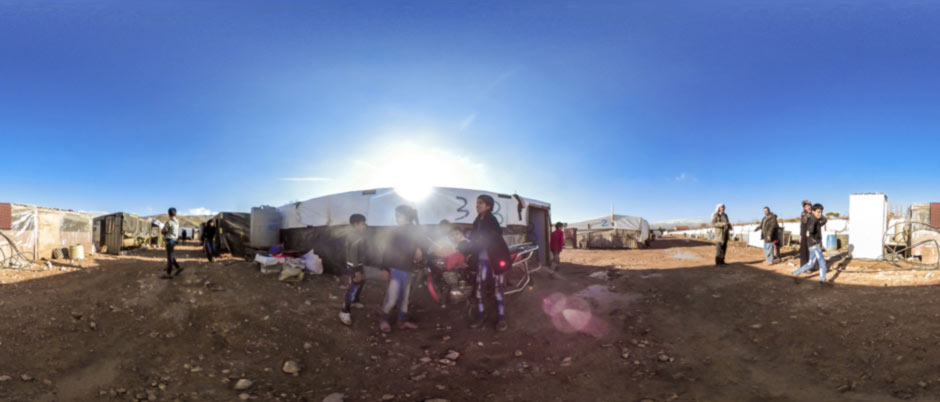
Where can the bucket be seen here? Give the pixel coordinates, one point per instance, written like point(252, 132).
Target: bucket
point(831, 242)
point(77, 252)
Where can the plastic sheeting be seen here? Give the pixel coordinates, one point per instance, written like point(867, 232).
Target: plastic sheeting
point(23, 232)
point(620, 222)
point(378, 206)
point(37, 231)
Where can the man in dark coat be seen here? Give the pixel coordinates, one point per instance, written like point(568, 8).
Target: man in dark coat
point(768, 228)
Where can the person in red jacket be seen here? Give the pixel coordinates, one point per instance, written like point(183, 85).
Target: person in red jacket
point(557, 244)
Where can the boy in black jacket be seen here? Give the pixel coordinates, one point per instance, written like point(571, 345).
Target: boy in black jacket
point(814, 241)
point(490, 256)
point(355, 261)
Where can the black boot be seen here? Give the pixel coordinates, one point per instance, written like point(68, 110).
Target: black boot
point(717, 261)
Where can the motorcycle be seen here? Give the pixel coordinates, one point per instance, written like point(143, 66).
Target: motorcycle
point(450, 280)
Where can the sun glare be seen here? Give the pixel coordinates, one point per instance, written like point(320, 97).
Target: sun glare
point(414, 170)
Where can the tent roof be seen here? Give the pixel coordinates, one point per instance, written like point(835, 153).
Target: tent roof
point(452, 204)
point(619, 222)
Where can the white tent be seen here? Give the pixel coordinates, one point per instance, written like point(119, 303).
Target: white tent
point(623, 222)
point(378, 206)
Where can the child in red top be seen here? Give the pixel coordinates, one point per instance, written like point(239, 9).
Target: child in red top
point(557, 244)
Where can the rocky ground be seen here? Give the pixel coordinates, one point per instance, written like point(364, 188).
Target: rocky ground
point(660, 324)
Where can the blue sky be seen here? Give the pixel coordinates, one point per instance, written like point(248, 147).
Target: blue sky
point(663, 108)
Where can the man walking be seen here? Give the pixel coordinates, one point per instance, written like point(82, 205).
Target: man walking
point(768, 228)
point(208, 239)
point(171, 234)
point(722, 232)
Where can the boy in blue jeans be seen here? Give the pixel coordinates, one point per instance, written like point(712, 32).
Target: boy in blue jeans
point(814, 241)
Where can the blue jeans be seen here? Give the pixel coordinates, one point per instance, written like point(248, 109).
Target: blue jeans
point(815, 254)
point(769, 251)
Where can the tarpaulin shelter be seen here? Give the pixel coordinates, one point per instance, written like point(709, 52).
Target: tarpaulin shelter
point(233, 230)
point(613, 231)
point(320, 223)
point(122, 230)
point(37, 232)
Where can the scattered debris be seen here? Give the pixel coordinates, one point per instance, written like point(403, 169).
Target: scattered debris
point(291, 367)
point(243, 384)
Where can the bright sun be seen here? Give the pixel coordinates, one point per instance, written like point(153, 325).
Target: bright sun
point(414, 170)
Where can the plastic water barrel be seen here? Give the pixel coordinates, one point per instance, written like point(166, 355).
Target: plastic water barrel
point(265, 228)
point(831, 242)
point(77, 252)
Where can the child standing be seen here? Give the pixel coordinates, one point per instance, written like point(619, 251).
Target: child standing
point(490, 256)
point(557, 244)
point(399, 260)
point(355, 262)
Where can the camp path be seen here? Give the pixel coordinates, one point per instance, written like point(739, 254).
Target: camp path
point(621, 325)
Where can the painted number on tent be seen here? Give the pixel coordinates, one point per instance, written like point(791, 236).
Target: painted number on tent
point(462, 208)
point(496, 208)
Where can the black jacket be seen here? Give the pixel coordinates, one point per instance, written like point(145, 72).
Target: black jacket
point(814, 230)
point(488, 236)
point(768, 227)
point(208, 235)
point(400, 251)
point(356, 250)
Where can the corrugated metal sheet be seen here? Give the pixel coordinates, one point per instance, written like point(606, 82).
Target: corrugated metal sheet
point(6, 216)
point(935, 214)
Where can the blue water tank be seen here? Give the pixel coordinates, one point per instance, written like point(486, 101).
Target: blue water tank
point(831, 242)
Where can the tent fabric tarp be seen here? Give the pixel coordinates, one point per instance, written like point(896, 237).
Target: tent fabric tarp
point(122, 230)
point(328, 242)
point(310, 224)
point(451, 204)
point(38, 231)
point(619, 222)
point(233, 231)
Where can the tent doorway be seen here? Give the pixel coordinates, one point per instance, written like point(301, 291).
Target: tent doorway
point(539, 233)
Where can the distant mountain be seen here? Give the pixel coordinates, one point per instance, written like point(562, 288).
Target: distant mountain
point(671, 224)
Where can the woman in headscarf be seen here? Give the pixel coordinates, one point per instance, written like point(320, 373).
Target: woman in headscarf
point(722, 232)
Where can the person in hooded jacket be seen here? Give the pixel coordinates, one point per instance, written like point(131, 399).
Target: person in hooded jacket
point(490, 257)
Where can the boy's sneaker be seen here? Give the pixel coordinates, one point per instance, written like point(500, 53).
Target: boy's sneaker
point(501, 325)
point(407, 325)
point(178, 271)
point(384, 327)
point(345, 318)
point(358, 305)
point(478, 321)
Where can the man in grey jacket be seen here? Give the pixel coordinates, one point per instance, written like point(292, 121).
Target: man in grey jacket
point(768, 227)
point(171, 234)
point(722, 232)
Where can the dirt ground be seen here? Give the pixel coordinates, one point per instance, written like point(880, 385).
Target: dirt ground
point(659, 324)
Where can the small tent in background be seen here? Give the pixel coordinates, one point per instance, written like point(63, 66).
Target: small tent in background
point(615, 231)
point(41, 232)
point(121, 230)
point(320, 223)
point(233, 232)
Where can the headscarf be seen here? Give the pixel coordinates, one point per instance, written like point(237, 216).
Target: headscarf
point(718, 207)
